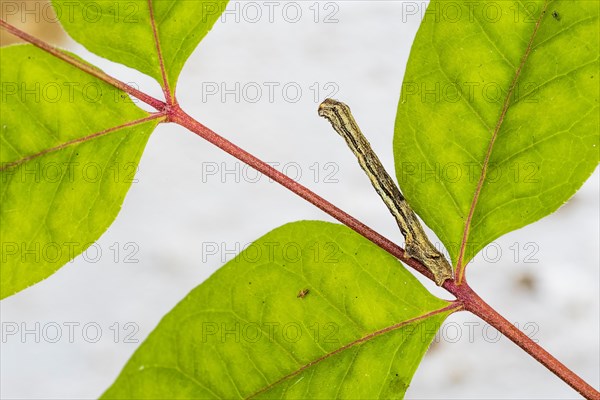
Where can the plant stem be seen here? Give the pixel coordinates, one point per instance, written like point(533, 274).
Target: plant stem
point(463, 292)
point(180, 117)
point(465, 296)
point(475, 304)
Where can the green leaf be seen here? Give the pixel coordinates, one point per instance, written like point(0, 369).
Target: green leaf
point(515, 80)
point(67, 159)
point(124, 31)
point(359, 331)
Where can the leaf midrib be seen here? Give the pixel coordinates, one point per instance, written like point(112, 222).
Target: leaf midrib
point(161, 61)
point(505, 107)
point(451, 307)
point(84, 139)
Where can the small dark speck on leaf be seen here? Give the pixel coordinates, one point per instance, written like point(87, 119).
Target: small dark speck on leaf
point(302, 293)
point(556, 15)
point(249, 283)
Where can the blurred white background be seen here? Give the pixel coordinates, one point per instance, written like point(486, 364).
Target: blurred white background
point(177, 212)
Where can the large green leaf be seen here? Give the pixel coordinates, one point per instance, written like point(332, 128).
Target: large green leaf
point(124, 31)
point(516, 79)
point(67, 161)
point(359, 332)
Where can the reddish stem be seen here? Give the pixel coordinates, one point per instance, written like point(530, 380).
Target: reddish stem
point(465, 296)
point(180, 117)
point(475, 304)
point(469, 300)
